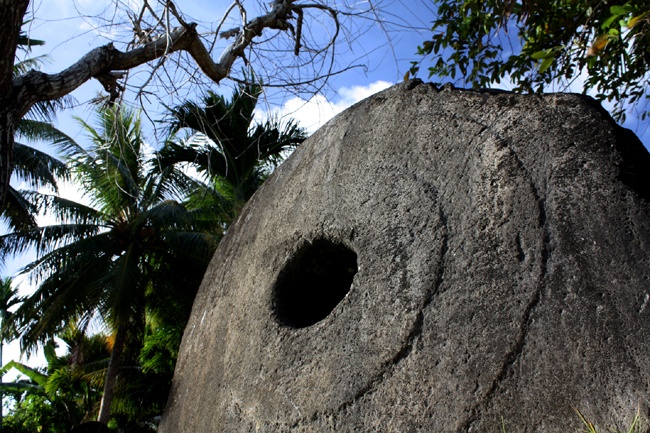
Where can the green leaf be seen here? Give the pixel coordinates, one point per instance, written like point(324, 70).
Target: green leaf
point(621, 10)
point(427, 47)
point(546, 64)
point(19, 386)
point(31, 373)
point(608, 22)
point(543, 54)
point(49, 351)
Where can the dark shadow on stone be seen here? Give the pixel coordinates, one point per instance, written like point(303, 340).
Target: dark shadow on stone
point(313, 282)
point(634, 169)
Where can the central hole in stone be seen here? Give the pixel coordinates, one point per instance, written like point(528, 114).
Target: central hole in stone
point(313, 282)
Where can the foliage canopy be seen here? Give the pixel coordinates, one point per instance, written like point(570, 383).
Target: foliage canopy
point(227, 145)
point(536, 43)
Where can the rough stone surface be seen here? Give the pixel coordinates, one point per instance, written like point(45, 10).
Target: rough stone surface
point(502, 254)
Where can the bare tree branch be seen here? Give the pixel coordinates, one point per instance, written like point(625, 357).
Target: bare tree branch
point(296, 50)
point(106, 63)
point(279, 58)
point(37, 86)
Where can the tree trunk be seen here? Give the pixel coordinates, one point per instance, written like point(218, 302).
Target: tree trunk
point(7, 130)
point(13, 13)
point(111, 375)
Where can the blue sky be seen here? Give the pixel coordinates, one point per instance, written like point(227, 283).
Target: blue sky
point(374, 52)
point(378, 52)
point(382, 52)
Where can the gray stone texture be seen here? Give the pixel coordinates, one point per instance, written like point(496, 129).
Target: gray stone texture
point(502, 245)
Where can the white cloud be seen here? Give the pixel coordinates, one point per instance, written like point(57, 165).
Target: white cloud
point(315, 112)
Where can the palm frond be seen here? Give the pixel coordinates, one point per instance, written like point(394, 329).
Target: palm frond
point(164, 183)
point(224, 122)
point(24, 66)
point(67, 211)
point(68, 147)
point(206, 158)
point(111, 184)
point(74, 291)
point(273, 138)
point(193, 245)
point(100, 245)
point(166, 215)
point(20, 386)
point(46, 110)
point(244, 100)
point(160, 349)
point(38, 130)
point(210, 211)
point(45, 239)
point(233, 150)
point(38, 168)
point(191, 115)
point(125, 297)
point(8, 295)
point(25, 42)
point(112, 173)
point(18, 212)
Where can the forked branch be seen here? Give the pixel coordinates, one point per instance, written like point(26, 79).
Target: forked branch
point(108, 64)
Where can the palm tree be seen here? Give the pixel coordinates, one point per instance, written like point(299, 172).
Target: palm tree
point(64, 393)
point(8, 299)
point(37, 168)
point(234, 154)
point(103, 259)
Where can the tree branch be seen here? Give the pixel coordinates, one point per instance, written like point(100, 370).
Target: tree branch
point(105, 63)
